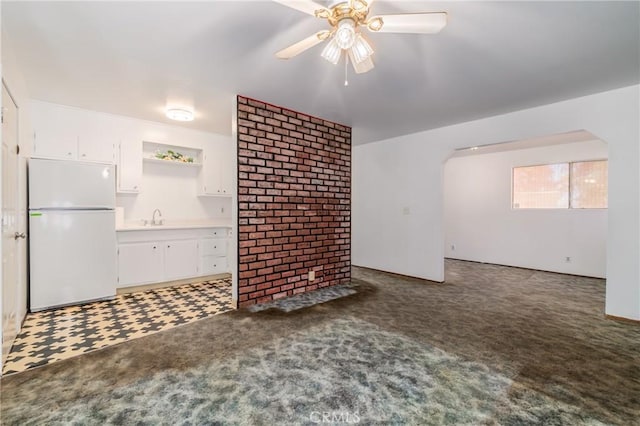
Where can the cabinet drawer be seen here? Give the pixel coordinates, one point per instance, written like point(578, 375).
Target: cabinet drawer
point(213, 265)
point(217, 233)
point(213, 247)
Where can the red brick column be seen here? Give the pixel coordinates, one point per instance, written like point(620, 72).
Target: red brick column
point(294, 202)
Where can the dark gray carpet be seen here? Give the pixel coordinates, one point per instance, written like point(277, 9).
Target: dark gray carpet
point(494, 345)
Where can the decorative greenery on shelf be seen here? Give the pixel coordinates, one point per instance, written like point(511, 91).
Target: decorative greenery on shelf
point(170, 155)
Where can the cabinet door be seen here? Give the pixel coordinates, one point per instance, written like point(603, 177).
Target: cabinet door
point(55, 130)
point(140, 263)
point(181, 259)
point(97, 138)
point(212, 265)
point(129, 165)
point(208, 174)
point(225, 169)
point(216, 170)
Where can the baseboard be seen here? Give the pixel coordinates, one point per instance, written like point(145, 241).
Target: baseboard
point(154, 286)
point(623, 319)
point(398, 275)
point(525, 267)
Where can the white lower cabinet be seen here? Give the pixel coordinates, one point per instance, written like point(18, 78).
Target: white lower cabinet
point(213, 255)
point(140, 263)
point(154, 256)
point(180, 259)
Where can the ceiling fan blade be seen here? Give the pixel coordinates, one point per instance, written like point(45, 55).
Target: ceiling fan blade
point(417, 23)
point(362, 67)
point(299, 47)
point(305, 6)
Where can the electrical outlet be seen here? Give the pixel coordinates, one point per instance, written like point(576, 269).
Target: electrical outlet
point(567, 259)
point(453, 247)
point(312, 275)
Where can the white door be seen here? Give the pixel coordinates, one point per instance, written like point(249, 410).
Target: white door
point(10, 235)
point(73, 257)
point(70, 184)
point(140, 263)
point(180, 259)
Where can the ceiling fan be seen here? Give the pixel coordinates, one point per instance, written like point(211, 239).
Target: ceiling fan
point(346, 19)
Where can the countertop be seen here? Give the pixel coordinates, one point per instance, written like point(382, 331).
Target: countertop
point(174, 225)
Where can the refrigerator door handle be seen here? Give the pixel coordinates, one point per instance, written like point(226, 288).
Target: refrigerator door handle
point(71, 209)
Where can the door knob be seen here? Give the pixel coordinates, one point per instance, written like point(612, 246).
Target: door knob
point(19, 235)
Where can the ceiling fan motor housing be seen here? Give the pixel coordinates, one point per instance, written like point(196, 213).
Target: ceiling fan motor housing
point(343, 10)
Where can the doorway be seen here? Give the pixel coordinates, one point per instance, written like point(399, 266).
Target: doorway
point(538, 204)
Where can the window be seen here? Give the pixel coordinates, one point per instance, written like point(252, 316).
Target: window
point(541, 187)
point(579, 185)
point(589, 181)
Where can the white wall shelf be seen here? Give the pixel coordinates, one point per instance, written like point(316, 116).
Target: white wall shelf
point(170, 162)
point(150, 149)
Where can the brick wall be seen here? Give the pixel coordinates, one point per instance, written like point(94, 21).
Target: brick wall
point(294, 202)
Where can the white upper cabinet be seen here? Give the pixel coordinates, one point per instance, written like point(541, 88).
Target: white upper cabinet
point(98, 138)
point(216, 175)
point(55, 130)
point(63, 132)
point(129, 165)
point(227, 156)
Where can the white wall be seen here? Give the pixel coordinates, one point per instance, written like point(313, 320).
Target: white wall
point(406, 172)
point(480, 224)
point(173, 190)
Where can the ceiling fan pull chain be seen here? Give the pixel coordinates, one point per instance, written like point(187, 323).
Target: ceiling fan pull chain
point(346, 69)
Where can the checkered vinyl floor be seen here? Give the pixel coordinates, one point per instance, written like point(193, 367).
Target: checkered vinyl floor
point(63, 333)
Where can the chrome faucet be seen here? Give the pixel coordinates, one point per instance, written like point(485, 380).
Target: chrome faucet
point(155, 221)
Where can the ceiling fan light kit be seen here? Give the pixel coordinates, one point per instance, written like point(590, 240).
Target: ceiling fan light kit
point(361, 50)
point(332, 51)
point(347, 19)
point(345, 35)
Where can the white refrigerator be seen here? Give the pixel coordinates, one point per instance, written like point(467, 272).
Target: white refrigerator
point(72, 237)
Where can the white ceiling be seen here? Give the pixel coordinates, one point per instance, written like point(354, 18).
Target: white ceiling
point(494, 57)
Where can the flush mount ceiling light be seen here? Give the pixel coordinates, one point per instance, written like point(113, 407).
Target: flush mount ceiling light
point(346, 19)
point(179, 114)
